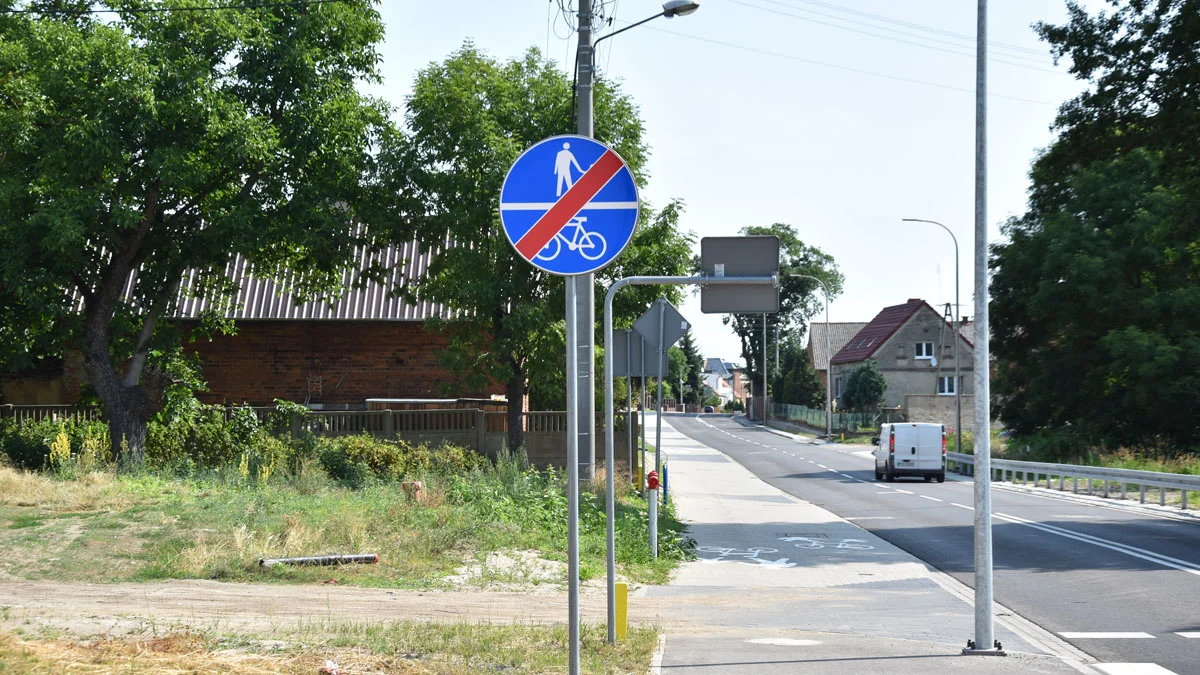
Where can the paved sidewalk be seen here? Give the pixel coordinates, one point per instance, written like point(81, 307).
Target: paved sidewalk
point(784, 586)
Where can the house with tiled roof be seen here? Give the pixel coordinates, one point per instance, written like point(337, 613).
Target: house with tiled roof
point(913, 346)
point(839, 335)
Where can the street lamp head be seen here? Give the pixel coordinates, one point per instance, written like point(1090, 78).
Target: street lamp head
point(679, 8)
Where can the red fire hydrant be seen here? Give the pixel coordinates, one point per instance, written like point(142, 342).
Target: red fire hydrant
point(652, 480)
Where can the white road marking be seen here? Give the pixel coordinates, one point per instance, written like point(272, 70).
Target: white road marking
point(1133, 669)
point(932, 499)
point(784, 642)
point(902, 491)
point(1189, 634)
point(887, 492)
point(1106, 636)
point(822, 466)
point(962, 506)
point(1133, 551)
point(871, 518)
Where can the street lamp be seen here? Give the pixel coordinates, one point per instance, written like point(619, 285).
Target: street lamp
point(828, 360)
point(580, 292)
point(957, 327)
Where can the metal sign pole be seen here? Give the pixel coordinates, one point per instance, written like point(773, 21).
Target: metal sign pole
point(659, 403)
point(572, 480)
point(629, 399)
point(764, 367)
point(608, 383)
point(984, 642)
point(642, 416)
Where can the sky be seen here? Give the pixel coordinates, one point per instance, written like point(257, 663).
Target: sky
point(839, 117)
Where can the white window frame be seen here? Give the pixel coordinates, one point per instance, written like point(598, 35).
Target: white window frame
point(944, 380)
point(926, 347)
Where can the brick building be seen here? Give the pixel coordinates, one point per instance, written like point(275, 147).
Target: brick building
point(329, 353)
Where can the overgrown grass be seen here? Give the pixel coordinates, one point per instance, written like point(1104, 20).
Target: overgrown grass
point(217, 525)
point(406, 647)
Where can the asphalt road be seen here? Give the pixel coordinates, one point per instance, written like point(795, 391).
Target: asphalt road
point(1121, 586)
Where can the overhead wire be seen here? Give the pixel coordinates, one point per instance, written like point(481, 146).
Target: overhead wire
point(909, 24)
point(837, 66)
point(924, 45)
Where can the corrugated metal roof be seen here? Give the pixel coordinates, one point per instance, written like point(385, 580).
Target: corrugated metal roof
point(839, 335)
point(875, 333)
point(272, 298)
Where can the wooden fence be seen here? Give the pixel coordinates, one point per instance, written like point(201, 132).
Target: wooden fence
point(486, 432)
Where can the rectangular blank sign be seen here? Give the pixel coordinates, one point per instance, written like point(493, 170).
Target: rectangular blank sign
point(756, 256)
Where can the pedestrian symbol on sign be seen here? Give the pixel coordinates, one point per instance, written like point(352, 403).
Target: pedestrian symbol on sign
point(569, 205)
point(562, 168)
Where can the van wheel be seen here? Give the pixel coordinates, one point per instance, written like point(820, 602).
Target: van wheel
point(889, 476)
point(928, 479)
point(878, 476)
point(941, 478)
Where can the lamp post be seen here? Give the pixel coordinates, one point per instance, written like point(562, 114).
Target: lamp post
point(580, 291)
point(957, 326)
point(828, 359)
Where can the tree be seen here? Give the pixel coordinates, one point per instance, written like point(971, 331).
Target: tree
point(468, 119)
point(137, 145)
point(864, 388)
point(1095, 305)
point(796, 382)
point(799, 298)
point(694, 374)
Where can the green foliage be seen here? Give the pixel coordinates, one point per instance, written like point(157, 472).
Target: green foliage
point(693, 376)
point(796, 382)
point(1096, 294)
point(468, 119)
point(27, 445)
point(733, 405)
point(864, 388)
point(362, 459)
point(159, 142)
point(799, 298)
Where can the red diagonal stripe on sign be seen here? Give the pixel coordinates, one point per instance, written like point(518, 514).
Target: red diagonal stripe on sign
point(569, 205)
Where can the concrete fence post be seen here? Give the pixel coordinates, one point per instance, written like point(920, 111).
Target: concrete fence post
point(389, 425)
point(481, 432)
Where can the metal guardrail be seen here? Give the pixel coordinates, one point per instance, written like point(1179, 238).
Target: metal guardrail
point(1010, 469)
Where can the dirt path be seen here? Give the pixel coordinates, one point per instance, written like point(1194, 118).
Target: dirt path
point(118, 609)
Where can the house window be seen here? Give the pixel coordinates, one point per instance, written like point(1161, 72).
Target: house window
point(924, 350)
point(946, 385)
point(837, 388)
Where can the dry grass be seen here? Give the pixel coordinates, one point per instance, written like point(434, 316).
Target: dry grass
point(181, 653)
point(95, 491)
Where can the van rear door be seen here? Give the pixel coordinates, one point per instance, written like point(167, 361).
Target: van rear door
point(929, 447)
point(907, 446)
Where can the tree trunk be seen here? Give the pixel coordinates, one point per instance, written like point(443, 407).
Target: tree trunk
point(128, 420)
point(516, 406)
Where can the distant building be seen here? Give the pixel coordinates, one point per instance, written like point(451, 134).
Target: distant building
point(913, 346)
point(839, 335)
point(725, 378)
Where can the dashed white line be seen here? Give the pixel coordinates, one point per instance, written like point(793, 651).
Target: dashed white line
point(1189, 634)
point(822, 466)
point(906, 492)
point(932, 499)
point(962, 506)
point(1107, 636)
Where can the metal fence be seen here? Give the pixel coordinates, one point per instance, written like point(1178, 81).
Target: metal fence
point(1096, 479)
point(842, 422)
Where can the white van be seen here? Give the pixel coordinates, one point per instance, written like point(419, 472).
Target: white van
point(911, 449)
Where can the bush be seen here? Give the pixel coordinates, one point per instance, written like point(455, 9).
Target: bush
point(359, 459)
point(207, 442)
point(27, 445)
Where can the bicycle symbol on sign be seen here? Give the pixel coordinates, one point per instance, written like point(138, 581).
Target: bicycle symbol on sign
point(591, 245)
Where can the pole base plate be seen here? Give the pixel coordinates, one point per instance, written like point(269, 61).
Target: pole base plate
point(970, 650)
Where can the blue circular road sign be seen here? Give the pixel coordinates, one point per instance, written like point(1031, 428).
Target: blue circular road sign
point(569, 205)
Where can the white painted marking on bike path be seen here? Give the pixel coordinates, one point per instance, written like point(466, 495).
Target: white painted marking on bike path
point(1131, 635)
point(1133, 669)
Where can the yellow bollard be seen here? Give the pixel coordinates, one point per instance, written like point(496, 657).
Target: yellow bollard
point(622, 590)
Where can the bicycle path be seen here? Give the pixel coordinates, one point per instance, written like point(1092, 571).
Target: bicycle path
point(784, 586)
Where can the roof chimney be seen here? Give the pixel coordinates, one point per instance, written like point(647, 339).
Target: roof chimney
point(914, 300)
